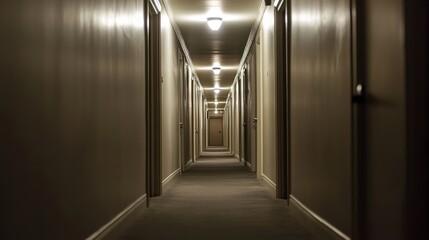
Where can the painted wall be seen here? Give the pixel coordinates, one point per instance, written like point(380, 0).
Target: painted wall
point(267, 113)
point(72, 115)
point(170, 101)
point(320, 109)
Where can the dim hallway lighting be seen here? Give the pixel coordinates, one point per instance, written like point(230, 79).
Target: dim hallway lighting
point(214, 23)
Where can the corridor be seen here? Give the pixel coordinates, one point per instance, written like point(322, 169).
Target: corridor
point(219, 198)
point(214, 119)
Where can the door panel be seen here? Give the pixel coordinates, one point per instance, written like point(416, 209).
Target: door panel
point(215, 132)
point(252, 120)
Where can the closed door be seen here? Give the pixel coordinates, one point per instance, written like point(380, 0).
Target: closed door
point(215, 132)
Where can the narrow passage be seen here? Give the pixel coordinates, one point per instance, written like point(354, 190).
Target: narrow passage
point(220, 199)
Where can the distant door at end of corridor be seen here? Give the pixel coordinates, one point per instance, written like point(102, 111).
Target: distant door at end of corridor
point(215, 132)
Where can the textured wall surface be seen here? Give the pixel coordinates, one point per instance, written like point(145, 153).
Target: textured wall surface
point(72, 115)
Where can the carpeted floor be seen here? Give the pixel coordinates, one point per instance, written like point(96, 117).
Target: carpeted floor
point(219, 199)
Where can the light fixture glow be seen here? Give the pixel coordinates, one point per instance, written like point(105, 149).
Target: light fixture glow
point(216, 103)
point(217, 90)
point(216, 70)
point(214, 23)
point(216, 111)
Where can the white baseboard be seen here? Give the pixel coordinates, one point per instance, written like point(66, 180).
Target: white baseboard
point(269, 181)
point(102, 232)
point(188, 164)
point(169, 179)
point(271, 185)
point(249, 165)
point(318, 218)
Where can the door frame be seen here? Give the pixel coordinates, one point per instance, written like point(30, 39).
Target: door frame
point(153, 99)
point(282, 22)
point(252, 114)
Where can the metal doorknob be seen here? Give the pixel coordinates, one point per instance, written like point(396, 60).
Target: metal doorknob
point(255, 120)
point(358, 97)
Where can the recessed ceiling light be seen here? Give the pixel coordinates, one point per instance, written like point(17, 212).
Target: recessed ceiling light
point(217, 90)
point(216, 70)
point(216, 111)
point(214, 23)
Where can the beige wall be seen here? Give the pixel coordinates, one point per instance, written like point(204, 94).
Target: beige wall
point(72, 116)
point(267, 98)
point(170, 98)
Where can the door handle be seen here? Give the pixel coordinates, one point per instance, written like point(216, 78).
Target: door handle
point(255, 120)
point(181, 125)
point(358, 96)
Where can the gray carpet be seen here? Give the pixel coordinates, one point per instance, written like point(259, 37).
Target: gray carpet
point(218, 198)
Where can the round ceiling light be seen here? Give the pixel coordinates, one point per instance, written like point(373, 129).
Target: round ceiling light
point(214, 23)
point(217, 90)
point(216, 70)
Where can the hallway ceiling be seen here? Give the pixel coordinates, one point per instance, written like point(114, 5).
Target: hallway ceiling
point(207, 47)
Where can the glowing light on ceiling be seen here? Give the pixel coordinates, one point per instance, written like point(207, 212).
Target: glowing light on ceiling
point(214, 23)
point(216, 70)
point(217, 90)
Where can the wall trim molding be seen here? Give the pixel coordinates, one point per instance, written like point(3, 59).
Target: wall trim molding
point(236, 156)
point(168, 179)
point(110, 226)
point(248, 164)
point(272, 187)
point(305, 209)
point(269, 181)
point(188, 163)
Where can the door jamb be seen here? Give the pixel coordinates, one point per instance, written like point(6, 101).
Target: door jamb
point(282, 38)
point(153, 100)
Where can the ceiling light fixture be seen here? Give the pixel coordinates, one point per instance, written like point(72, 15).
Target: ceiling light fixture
point(216, 111)
point(214, 23)
point(216, 70)
point(217, 90)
